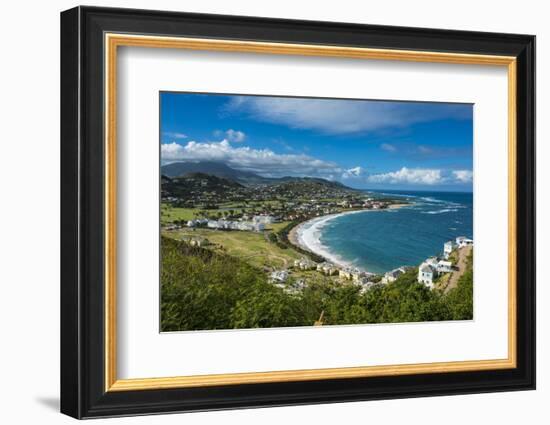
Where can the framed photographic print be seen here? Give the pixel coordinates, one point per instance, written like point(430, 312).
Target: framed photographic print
point(261, 212)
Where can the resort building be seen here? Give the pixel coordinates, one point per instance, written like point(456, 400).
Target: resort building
point(463, 241)
point(358, 275)
point(392, 275)
point(250, 226)
point(259, 227)
point(365, 283)
point(263, 219)
point(432, 261)
point(426, 274)
point(305, 264)
point(444, 267)
point(278, 276)
point(197, 222)
point(345, 273)
point(431, 268)
point(327, 268)
point(448, 247)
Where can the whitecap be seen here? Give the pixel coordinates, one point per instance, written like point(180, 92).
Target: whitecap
point(444, 210)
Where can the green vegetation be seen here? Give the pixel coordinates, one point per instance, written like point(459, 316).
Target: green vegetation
point(207, 289)
point(252, 247)
point(461, 298)
point(169, 214)
point(202, 289)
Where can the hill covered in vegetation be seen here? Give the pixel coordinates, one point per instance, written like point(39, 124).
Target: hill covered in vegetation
point(204, 289)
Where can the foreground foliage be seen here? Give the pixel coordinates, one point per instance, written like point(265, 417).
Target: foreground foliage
point(202, 289)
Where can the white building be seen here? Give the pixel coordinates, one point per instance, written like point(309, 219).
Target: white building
point(345, 273)
point(278, 276)
point(327, 268)
point(259, 227)
point(263, 219)
point(213, 224)
point(444, 266)
point(392, 275)
point(448, 247)
point(357, 275)
point(463, 241)
point(426, 274)
point(305, 264)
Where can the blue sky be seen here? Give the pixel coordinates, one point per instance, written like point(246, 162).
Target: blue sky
point(364, 144)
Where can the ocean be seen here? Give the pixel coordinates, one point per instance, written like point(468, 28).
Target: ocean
point(378, 241)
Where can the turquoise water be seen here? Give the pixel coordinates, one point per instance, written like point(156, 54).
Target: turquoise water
point(379, 241)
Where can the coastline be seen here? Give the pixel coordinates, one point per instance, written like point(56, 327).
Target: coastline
point(306, 235)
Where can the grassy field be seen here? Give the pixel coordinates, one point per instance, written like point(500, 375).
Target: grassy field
point(277, 226)
point(169, 214)
point(249, 246)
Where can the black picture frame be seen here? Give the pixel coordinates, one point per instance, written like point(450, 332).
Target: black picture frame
point(83, 392)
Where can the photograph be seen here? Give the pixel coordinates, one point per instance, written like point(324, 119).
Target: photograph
point(307, 211)
point(285, 210)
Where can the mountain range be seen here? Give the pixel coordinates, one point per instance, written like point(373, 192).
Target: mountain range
point(246, 178)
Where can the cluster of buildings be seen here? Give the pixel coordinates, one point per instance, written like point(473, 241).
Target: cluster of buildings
point(432, 267)
point(328, 269)
point(305, 264)
point(369, 204)
point(257, 224)
point(279, 278)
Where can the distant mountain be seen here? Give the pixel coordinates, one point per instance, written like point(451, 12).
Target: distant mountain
point(200, 185)
point(309, 181)
point(246, 178)
point(307, 187)
point(218, 169)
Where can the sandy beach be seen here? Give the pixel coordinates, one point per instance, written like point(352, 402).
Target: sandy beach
point(306, 235)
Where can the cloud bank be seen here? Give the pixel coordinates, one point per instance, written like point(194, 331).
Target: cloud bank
point(270, 164)
point(421, 176)
point(261, 161)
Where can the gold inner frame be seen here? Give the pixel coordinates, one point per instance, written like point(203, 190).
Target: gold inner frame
point(113, 41)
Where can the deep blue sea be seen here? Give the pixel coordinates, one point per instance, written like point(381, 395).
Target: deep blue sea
point(379, 241)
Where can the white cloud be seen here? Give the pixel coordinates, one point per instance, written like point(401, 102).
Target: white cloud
point(409, 176)
point(344, 116)
point(387, 147)
point(353, 172)
point(422, 176)
point(175, 135)
point(262, 161)
point(463, 176)
point(235, 135)
point(231, 135)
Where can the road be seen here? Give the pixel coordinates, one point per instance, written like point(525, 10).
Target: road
point(463, 254)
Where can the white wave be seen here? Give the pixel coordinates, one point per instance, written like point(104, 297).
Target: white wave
point(433, 200)
point(399, 195)
point(444, 210)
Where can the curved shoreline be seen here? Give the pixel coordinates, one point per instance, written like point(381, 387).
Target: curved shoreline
point(306, 235)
